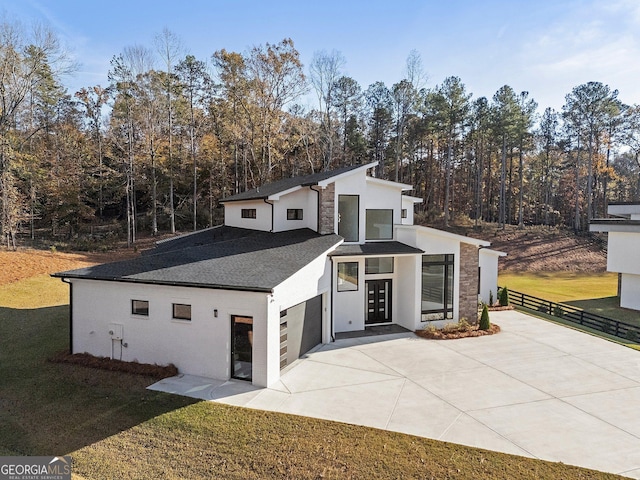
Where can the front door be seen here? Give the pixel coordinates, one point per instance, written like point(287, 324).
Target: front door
point(241, 347)
point(378, 301)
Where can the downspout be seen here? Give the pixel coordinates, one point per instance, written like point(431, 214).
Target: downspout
point(318, 213)
point(333, 338)
point(70, 314)
point(272, 218)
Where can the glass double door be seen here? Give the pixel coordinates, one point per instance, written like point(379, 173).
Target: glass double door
point(378, 301)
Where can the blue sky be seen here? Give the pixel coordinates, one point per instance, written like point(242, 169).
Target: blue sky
point(545, 47)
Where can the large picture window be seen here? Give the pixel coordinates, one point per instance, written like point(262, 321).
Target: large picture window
point(347, 276)
point(437, 287)
point(348, 215)
point(379, 224)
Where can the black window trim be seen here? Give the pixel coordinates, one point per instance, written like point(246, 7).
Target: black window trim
point(248, 213)
point(448, 263)
point(357, 284)
point(173, 311)
point(365, 223)
point(133, 309)
point(295, 213)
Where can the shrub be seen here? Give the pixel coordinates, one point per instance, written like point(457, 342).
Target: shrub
point(490, 297)
point(632, 336)
point(504, 297)
point(485, 324)
point(558, 311)
point(543, 308)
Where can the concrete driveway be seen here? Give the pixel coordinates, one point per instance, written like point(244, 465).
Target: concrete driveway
point(536, 389)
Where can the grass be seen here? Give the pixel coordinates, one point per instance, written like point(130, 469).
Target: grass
point(593, 292)
point(561, 286)
point(114, 428)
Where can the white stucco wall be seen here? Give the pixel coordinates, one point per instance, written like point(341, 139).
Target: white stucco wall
point(307, 200)
point(233, 215)
point(408, 283)
point(623, 254)
point(409, 204)
point(630, 291)
point(488, 261)
point(348, 307)
point(200, 346)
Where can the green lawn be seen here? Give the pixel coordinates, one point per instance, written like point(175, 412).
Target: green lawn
point(114, 428)
point(561, 286)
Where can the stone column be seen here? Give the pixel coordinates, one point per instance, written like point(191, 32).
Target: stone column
point(326, 209)
point(468, 285)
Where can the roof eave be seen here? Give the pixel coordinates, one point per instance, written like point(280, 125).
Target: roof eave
point(213, 286)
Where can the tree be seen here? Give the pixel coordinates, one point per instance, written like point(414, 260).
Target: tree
point(169, 48)
point(27, 59)
point(379, 101)
point(93, 100)
point(525, 123)
point(589, 107)
point(347, 100)
point(505, 117)
point(325, 70)
point(193, 75)
point(450, 109)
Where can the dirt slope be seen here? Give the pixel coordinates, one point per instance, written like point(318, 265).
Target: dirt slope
point(538, 249)
point(27, 263)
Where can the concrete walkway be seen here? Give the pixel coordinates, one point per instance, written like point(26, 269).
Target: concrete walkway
point(536, 389)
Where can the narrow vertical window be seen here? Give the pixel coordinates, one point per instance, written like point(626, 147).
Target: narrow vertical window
point(348, 217)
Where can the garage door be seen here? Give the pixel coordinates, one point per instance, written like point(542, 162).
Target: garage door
point(300, 330)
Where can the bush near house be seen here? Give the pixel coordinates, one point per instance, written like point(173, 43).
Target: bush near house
point(503, 297)
point(485, 324)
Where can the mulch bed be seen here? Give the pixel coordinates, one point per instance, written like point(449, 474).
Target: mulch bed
point(449, 334)
point(498, 308)
point(104, 363)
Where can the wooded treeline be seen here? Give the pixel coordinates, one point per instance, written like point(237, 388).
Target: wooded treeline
point(170, 135)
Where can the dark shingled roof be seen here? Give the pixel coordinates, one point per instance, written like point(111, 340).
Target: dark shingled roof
point(222, 257)
point(269, 189)
point(375, 248)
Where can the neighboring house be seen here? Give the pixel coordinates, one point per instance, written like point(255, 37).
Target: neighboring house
point(296, 262)
point(623, 254)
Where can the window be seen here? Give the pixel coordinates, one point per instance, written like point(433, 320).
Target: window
point(181, 311)
point(248, 213)
point(347, 276)
point(140, 307)
point(437, 287)
point(294, 214)
point(348, 217)
point(379, 225)
point(378, 265)
point(404, 213)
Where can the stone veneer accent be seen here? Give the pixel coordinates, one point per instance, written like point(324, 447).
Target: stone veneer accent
point(469, 259)
point(326, 209)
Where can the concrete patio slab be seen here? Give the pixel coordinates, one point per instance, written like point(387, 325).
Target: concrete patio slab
point(536, 389)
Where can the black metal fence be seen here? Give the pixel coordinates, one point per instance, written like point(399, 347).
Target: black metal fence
point(563, 311)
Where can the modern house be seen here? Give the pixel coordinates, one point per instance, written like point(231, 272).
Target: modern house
point(296, 262)
point(623, 254)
